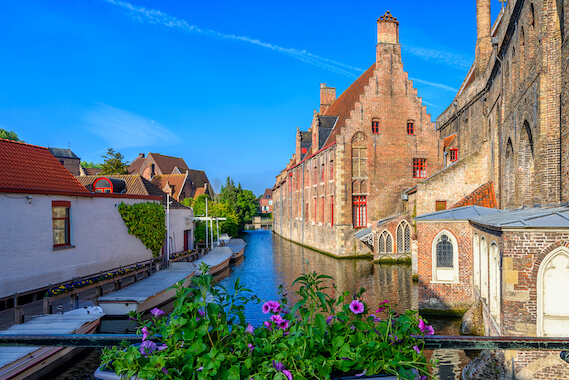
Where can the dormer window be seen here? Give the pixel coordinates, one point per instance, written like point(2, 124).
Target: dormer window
point(410, 128)
point(375, 126)
point(453, 155)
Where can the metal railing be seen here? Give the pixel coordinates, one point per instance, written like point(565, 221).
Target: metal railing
point(433, 342)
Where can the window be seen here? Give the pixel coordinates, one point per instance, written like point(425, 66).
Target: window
point(403, 238)
point(419, 168)
point(322, 175)
point(102, 185)
point(359, 162)
point(441, 205)
point(331, 211)
point(322, 210)
point(315, 173)
point(61, 225)
point(385, 243)
point(410, 128)
point(453, 155)
point(445, 258)
point(375, 126)
point(331, 170)
point(359, 211)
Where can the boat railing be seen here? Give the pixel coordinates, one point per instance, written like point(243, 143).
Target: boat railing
point(434, 342)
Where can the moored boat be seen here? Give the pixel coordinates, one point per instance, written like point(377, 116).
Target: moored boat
point(237, 246)
point(217, 259)
point(18, 363)
point(149, 292)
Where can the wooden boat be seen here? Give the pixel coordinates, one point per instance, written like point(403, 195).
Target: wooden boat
point(217, 259)
point(18, 363)
point(237, 246)
point(149, 292)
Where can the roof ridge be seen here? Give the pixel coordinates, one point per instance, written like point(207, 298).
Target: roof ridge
point(23, 143)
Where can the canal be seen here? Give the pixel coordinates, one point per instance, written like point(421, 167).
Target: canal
point(271, 261)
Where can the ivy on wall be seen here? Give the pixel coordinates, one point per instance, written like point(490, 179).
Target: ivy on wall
point(146, 221)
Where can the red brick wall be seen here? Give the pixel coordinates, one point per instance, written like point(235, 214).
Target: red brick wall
point(442, 296)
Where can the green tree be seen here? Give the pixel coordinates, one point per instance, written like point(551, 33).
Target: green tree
point(9, 135)
point(113, 163)
point(91, 164)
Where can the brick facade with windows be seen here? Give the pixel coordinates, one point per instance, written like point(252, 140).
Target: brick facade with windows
point(362, 139)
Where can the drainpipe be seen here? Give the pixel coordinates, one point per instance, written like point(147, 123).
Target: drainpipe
point(502, 96)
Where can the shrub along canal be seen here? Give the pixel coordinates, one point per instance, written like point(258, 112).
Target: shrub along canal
point(271, 261)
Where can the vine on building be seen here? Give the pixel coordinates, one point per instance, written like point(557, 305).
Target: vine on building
point(146, 221)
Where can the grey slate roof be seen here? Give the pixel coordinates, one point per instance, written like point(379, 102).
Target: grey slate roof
point(536, 217)
point(390, 218)
point(325, 126)
point(459, 213)
point(62, 153)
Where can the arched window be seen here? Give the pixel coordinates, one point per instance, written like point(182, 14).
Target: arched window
point(532, 15)
point(509, 174)
point(552, 283)
point(445, 258)
point(403, 238)
point(385, 243)
point(526, 166)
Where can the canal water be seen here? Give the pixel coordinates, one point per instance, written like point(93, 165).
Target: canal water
point(271, 261)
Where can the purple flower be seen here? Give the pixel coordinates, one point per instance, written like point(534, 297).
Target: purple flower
point(287, 374)
point(278, 366)
point(145, 333)
point(200, 369)
point(376, 319)
point(251, 347)
point(162, 347)
point(284, 325)
point(201, 312)
point(356, 307)
point(430, 330)
point(147, 347)
point(277, 319)
point(250, 329)
point(268, 325)
point(382, 306)
point(165, 370)
point(272, 306)
point(362, 374)
point(329, 319)
point(157, 312)
point(416, 348)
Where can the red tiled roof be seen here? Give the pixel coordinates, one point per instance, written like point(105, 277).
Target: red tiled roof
point(29, 167)
point(345, 103)
point(449, 139)
point(135, 165)
point(168, 163)
point(484, 196)
point(176, 181)
point(92, 171)
point(199, 191)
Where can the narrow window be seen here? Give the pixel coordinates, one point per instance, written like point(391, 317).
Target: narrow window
point(331, 211)
point(331, 170)
point(322, 210)
point(375, 126)
point(385, 243)
point(359, 211)
point(315, 214)
point(453, 155)
point(444, 253)
point(410, 128)
point(315, 174)
point(403, 238)
point(441, 205)
point(322, 175)
point(306, 213)
point(61, 226)
point(419, 168)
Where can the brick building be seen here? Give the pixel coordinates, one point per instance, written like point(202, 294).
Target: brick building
point(68, 159)
point(266, 201)
point(362, 151)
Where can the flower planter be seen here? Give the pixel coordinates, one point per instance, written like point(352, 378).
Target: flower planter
point(103, 374)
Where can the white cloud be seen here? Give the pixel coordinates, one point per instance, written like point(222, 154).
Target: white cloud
point(155, 16)
point(433, 84)
point(124, 129)
point(439, 56)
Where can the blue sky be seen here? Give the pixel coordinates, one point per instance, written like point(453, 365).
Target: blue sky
point(223, 85)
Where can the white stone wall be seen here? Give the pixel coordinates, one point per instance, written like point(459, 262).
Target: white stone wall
point(99, 238)
point(180, 221)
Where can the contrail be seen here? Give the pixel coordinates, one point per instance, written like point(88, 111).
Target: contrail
point(155, 16)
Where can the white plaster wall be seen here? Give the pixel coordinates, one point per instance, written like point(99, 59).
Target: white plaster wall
point(180, 220)
point(98, 233)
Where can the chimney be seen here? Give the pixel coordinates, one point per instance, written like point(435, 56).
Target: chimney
point(327, 97)
point(387, 32)
point(484, 39)
point(140, 155)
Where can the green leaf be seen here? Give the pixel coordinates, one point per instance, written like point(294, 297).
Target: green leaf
point(320, 322)
point(338, 341)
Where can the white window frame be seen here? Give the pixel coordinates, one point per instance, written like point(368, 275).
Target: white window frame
point(444, 275)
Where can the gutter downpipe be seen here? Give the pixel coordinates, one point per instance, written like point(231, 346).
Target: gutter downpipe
point(495, 44)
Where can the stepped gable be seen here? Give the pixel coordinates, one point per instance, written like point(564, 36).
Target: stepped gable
point(345, 103)
point(167, 164)
point(30, 167)
point(175, 181)
point(484, 196)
